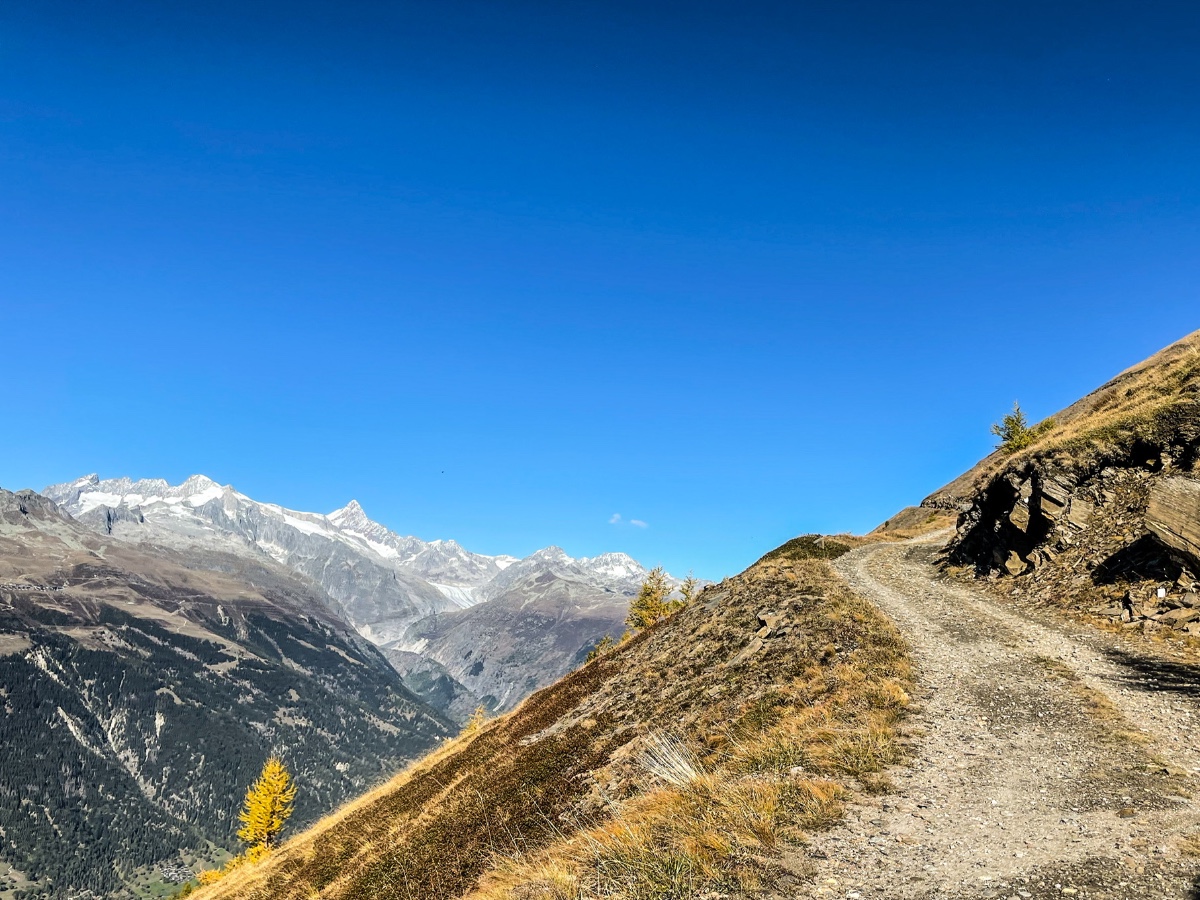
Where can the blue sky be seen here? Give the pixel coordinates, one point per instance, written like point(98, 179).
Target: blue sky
point(501, 271)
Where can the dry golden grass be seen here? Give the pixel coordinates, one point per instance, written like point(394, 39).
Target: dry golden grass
point(675, 764)
point(776, 777)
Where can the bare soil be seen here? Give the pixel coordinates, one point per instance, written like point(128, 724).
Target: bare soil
point(1048, 760)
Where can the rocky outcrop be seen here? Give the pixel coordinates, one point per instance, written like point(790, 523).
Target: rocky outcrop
point(1119, 543)
point(1173, 516)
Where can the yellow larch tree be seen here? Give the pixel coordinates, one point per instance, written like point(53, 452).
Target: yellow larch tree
point(268, 806)
point(477, 721)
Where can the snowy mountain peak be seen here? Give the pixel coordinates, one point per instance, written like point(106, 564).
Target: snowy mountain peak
point(195, 484)
point(352, 517)
point(552, 554)
point(614, 565)
point(382, 578)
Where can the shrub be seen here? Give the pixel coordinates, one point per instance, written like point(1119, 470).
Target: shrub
point(1014, 431)
point(605, 644)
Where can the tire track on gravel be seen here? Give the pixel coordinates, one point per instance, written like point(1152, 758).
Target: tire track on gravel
point(1043, 768)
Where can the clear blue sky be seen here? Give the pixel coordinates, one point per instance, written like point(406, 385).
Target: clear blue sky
point(502, 270)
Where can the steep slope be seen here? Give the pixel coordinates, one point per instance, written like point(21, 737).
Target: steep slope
point(142, 692)
point(1106, 420)
point(524, 639)
point(671, 766)
point(400, 592)
point(1094, 516)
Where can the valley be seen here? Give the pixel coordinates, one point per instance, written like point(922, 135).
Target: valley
point(995, 694)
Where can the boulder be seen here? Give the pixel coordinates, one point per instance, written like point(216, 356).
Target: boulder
point(1020, 511)
point(1020, 516)
point(1173, 515)
point(1177, 618)
point(1080, 513)
point(1014, 565)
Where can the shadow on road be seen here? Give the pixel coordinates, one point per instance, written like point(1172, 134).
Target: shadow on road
point(1147, 674)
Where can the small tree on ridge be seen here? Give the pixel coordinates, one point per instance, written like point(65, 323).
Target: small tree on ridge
point(652, 603)
point(1014, 431)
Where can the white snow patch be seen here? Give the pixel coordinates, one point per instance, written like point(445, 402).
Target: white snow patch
point(462, 596)
point(303, 526)
point(202, 497)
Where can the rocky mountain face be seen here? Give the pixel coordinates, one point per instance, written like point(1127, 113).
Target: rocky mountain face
point(373, 574)
point(539, 628)
point(525, 623)
point(1104, 513)
point(142, 692)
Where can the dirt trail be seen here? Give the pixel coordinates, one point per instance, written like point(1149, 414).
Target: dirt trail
point(1046, 764)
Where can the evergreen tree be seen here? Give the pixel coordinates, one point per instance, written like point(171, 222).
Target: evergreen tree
point(1014, 431)
point(651, 603)
point(687, 590)
point(268, 806)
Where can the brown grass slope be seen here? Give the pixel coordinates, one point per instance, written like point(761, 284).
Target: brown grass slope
point(677, 762)
point(1142, 402)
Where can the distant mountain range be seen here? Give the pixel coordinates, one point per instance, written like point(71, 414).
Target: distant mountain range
point(461, 627)
point(143, 687)
point(158, 641)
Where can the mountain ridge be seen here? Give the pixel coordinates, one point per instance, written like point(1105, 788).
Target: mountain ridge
point(400, 592)
point(143, 686)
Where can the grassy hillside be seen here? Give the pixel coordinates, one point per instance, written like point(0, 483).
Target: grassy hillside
point(679, 762)
point(1146, 405)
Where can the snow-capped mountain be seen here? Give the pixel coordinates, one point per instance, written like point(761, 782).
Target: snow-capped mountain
point(385, 584)
point(615, 573)
point(143, 686)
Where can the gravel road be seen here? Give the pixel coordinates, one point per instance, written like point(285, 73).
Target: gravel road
point(1047, 761)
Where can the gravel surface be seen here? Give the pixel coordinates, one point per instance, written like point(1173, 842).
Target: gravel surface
point(1047, 762)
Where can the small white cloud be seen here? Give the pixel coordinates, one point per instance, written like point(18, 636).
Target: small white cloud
point(615, 519)
point(638, 523)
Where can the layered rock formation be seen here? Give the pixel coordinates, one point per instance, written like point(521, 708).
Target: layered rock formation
point(1173, 516)
point(1104, 514)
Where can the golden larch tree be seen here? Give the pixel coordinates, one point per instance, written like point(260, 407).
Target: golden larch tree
point(268, 806)
point(477, 720)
